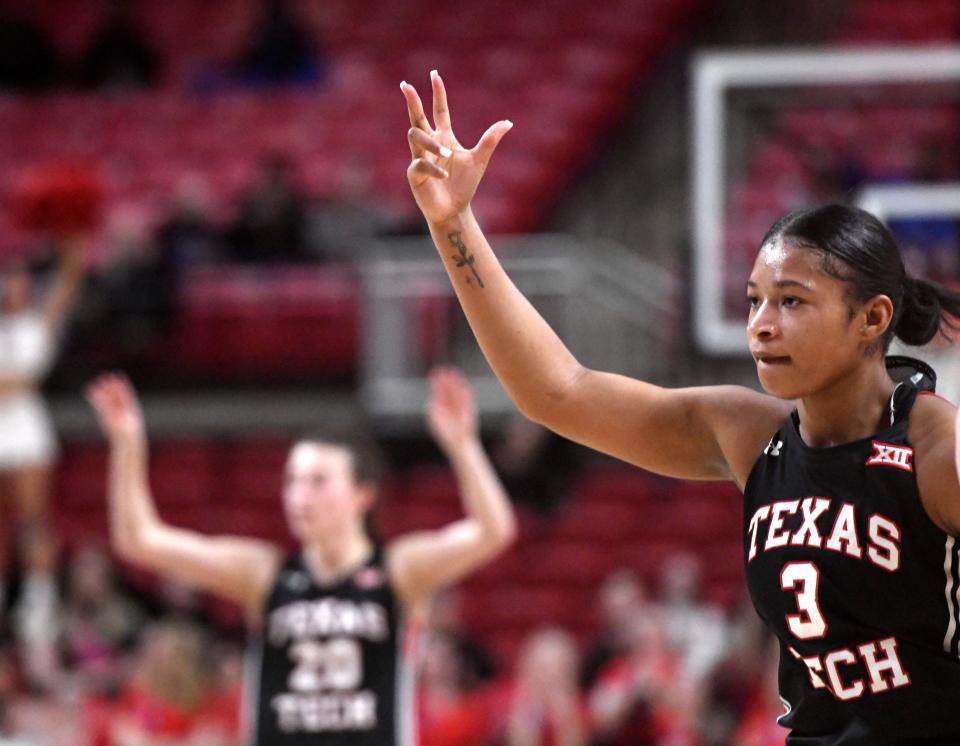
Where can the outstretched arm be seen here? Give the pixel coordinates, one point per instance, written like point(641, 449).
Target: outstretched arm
point(701, 433)
point(239, 569)
point(66, 287)
point(423, 562)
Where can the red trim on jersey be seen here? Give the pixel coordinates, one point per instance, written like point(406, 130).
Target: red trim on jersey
point(935, 395)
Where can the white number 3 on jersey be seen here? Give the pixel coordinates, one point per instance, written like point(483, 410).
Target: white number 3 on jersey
point(804, 579)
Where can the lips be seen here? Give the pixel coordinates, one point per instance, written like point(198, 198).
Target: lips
point(765, 357)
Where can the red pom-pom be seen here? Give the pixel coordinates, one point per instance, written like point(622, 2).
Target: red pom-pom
point(61, 198)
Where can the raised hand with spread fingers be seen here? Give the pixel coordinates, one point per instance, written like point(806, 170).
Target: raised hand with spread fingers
point(443, 174)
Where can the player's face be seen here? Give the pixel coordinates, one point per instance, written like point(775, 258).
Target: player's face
point(800, 329)
point(320, 496)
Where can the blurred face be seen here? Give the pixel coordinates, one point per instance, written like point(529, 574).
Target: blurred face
point(161, 650)
point(680, 578)
point(321, 498)
point(800, 331)
point(549, 660)
point(621, 599)
point(16, 290)
point(90, 575)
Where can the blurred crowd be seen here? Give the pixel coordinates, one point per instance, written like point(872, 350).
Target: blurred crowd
point(119, 668)
point(125, 668)
point(119, 55)
point(665, 669)
point(131, 292)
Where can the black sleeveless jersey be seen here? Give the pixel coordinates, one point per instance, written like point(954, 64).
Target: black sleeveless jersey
point(331, 668)
point(860, 587)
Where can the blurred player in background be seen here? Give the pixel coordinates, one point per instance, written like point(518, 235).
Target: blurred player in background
point(332, 618)
point(849, 475)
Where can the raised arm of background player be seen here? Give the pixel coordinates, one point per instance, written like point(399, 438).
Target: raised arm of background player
point(242, 568)
point(423, 562)
point(697, 433)
point(238, 568)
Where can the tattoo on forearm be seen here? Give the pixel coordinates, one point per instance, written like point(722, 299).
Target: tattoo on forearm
point(464, 258)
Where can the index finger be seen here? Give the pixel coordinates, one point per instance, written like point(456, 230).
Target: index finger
point(415, 107)
point(441, 110)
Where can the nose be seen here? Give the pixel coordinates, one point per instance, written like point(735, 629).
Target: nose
point(763, 321)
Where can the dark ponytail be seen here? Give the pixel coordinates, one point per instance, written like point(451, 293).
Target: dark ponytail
point(928, 308)
point(857, 248)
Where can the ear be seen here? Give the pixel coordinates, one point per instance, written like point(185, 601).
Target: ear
point(875, 316)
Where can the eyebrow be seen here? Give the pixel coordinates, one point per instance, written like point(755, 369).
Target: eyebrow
point(782, 284)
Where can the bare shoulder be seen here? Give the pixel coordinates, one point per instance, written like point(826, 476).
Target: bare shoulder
point(932, 424)
point(932, 434)
point(744, 421)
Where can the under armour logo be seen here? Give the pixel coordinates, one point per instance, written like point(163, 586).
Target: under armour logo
point(916, 378)
point(773, 449)
point(885, 454)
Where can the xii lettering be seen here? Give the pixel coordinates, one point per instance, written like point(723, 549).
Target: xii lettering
point(884, 454)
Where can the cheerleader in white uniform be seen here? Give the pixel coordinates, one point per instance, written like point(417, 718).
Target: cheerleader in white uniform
point(29, 331)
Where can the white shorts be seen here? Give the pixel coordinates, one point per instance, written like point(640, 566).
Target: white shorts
point(27, 436)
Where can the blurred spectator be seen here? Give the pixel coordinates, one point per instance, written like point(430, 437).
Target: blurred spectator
point(28, 60)
point(183, 600)
point(226, 703)
point(271, 223)
point(119, 55)
point(441, 693)
point(759, 726)
point(536, 465)
point(446, 619)
point(279, 49)
point(539, 706)
point(346, 225)
point(188, 236)
point(11, 732)
point(30, 328)
point(544, 706)
point(622, 599)
point(695, 629)
point(732, 685)
point(642, 698)
point(100, 624)
point(170, 698)
point(452, 666)
point(133, 295)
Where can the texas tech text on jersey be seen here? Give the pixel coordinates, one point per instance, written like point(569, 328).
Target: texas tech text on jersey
point(825, 526)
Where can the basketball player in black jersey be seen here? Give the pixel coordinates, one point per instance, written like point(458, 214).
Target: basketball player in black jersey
point(852, 502)
point(332, 617)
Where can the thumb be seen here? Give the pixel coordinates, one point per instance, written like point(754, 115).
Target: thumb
point(490, 139)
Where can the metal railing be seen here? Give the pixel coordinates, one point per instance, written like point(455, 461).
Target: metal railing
point(615, 310)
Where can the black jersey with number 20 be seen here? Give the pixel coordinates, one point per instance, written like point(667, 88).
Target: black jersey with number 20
point(860, 587)
point(331, 669)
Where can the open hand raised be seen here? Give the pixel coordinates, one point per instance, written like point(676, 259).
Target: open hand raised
point(115, 402)
point(443, 174)
point(451, 410)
